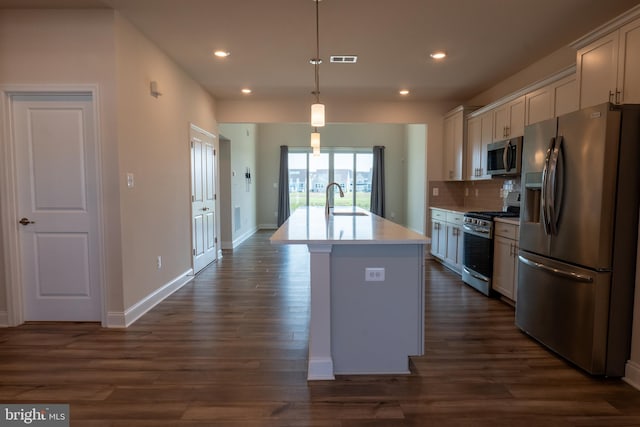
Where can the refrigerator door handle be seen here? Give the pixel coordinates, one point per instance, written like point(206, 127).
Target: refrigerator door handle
point(556, 185)
point(544, 196)
point(556, 271)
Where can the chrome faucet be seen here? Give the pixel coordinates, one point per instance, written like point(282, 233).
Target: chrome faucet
point(326, 202)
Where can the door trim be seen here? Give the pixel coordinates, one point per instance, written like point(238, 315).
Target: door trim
point(216, 146)
point(14, 314)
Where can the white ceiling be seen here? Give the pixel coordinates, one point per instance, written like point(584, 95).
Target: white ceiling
point(271, 42)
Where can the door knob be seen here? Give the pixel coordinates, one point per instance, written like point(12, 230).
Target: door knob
point(26, 221)
point(205, 209)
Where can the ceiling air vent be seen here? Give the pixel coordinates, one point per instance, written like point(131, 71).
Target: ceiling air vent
point(344, 59)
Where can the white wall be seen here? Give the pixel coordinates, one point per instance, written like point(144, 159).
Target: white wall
point(153, 137)
point(242, 153)
point(70, 47)
point(138, 134)
point(338, 111)
point(272, 136)
point(416, 177)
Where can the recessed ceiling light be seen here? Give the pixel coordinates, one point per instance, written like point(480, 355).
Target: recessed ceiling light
point(221, 53)
point(246, 91)
point(403, 92)
point(438, 55)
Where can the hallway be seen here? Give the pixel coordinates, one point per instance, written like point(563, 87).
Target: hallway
point(229, 349)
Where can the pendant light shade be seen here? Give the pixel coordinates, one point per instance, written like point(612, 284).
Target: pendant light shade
point(317, 115)
point(316, 152)
point(315, 139)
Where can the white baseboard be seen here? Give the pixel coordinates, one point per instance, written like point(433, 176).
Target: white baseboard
point(632, 374)
point(237, 241)
point(320, 368)
point(133, 313)
point(4, 319)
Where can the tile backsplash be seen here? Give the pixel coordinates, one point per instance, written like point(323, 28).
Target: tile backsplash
point(472, 195)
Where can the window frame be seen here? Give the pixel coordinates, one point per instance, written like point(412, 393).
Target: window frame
point(331, 151)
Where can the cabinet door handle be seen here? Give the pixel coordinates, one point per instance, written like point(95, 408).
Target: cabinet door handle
point(610, 96)
point(618, 101)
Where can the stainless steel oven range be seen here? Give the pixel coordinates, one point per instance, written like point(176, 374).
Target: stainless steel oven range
point(477, 260)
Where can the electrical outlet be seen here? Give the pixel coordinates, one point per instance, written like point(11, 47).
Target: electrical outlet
point(436, 191)
point(477, 192)
point(466, 192)
point(130, 180)
point(159, 262)
point(372, 274)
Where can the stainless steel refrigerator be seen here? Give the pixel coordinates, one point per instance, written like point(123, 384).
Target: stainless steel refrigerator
point(578, 235)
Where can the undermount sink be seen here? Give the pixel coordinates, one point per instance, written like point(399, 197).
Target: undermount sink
point(349, 214)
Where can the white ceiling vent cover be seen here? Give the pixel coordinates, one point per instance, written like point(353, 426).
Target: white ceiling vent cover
point(344, 59)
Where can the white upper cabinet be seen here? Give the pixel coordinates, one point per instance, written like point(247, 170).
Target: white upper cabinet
point(609, 68)
point(479, 135)
point(552, 100)
point(597, 71)
point(629, 63)
point(454, 144)
point(539, 105)
point(565, 95)
point(474, 147)
point(509, 119)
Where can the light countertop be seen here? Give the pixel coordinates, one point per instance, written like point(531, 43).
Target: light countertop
point(311, 226)
point(454, 209)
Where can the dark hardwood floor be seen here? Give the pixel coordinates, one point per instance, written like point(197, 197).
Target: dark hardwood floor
point(229, 349)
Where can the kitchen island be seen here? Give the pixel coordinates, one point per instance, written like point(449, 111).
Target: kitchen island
point(367, 291)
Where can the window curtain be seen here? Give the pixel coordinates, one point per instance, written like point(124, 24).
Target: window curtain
point(377, 182)
point(283, 186)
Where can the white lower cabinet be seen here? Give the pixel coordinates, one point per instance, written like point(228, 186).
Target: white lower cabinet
point(446, 237)
point(438, 233)
point(505, 259)
point(453, 254)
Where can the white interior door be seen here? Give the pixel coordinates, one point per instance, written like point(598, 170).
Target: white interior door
point(203, 199)
point(55, 147)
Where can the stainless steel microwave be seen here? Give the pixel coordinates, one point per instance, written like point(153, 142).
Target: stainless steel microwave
point(505, 157)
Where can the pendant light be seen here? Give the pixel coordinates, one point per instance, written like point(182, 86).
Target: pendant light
point(315, 138)
point(317, 109)
point(315, 142)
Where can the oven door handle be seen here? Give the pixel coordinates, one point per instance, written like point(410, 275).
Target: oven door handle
point(477, 232)
point(475, 275)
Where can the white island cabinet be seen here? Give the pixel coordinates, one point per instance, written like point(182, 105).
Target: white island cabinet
point(367, 291)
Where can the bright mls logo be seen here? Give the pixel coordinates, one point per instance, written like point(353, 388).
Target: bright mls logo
point(34, 415)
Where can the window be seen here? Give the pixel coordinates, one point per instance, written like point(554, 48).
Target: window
point(309, 176)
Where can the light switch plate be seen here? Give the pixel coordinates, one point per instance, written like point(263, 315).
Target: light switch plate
point(130, 180)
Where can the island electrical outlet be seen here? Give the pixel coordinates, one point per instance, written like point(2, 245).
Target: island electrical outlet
point(372, 274)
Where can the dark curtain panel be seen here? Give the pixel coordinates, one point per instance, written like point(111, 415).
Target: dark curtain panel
point(377, 182)
point(283, 186)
